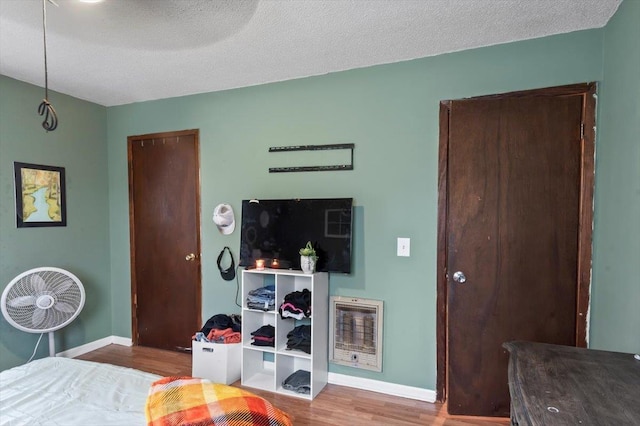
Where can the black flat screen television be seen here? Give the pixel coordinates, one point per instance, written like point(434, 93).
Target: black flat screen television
point(276, 230)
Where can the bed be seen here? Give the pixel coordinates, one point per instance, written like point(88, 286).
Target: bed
point(66, 392)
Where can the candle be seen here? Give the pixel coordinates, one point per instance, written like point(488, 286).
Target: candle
point(275, 263)
point(260, 264)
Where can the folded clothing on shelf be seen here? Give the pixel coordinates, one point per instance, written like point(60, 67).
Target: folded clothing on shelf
point(264, 336)
point(297, 304)
point(299, 382)
point(263, 298)
point(300, 338)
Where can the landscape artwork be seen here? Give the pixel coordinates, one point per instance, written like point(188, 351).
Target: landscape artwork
point(40, 195)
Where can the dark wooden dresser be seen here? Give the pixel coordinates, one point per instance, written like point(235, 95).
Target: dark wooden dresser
point(563, 385)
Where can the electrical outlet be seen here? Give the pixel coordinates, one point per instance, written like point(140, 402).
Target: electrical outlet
point(404, 247)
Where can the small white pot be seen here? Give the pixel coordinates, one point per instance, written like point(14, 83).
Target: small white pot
point(308, 264)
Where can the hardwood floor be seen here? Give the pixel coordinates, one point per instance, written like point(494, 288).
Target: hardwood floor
point(335, 405)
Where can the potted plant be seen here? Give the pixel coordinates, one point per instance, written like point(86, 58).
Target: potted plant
point(308, 258)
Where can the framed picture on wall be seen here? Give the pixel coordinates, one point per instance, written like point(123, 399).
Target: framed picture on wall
point(40, 195)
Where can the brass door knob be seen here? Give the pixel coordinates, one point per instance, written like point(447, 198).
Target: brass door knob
point(190, 257)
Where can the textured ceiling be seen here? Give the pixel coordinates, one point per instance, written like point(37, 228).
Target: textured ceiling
point(123, 51)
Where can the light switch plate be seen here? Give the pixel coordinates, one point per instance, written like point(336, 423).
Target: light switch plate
point(404, 247)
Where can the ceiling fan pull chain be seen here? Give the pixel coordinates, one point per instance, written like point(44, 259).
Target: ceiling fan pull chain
point(45, 109)
point(50, 122)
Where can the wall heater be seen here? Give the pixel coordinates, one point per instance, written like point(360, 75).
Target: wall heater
point(356, 332)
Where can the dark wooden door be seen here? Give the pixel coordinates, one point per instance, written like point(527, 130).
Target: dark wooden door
point(165, 238)
point(514, 214)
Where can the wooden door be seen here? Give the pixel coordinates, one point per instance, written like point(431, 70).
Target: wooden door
point(164, 204)
point(517, 230)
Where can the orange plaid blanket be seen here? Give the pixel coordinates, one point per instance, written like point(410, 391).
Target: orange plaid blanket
point(175, 401)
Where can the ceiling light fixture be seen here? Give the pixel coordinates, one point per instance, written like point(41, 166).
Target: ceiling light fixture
point(45, 109)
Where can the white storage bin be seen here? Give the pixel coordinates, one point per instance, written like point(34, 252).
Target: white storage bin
point(218, 362)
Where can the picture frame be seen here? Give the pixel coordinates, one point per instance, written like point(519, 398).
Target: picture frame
point(40, 195)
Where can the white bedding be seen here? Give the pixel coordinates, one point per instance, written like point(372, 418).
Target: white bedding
point(68, 392)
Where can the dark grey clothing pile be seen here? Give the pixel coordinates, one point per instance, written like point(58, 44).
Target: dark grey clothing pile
point(300, 338)
point(299, 382)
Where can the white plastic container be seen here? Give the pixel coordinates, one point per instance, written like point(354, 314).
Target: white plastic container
point(218, 362)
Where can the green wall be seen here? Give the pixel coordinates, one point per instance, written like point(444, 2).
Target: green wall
point(390, 112)
point(615, 311)
point(79, 145)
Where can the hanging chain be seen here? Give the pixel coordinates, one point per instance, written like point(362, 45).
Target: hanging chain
point(45, 109)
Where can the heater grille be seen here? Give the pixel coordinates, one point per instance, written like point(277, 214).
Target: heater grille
point(356, 337)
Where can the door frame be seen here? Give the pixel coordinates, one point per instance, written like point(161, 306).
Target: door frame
point(134, 288)
point(588, 92)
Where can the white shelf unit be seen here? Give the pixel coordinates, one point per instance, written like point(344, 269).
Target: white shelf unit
point(265, 367)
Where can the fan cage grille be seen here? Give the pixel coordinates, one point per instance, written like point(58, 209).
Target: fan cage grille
point(41, 288)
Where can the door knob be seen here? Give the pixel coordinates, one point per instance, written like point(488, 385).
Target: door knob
point(459, 277)
point(190, 257)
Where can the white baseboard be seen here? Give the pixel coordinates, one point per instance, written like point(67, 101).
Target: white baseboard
point(375, 386)
point(92, 346)
point(387, 388)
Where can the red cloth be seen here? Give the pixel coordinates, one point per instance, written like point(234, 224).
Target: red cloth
point(226, 336)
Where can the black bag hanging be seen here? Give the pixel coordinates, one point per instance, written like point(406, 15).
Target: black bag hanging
point(229, 273)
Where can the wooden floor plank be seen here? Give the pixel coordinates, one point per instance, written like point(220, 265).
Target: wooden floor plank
point(335, 405)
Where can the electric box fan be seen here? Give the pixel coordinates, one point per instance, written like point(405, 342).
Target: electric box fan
point(43, 300)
